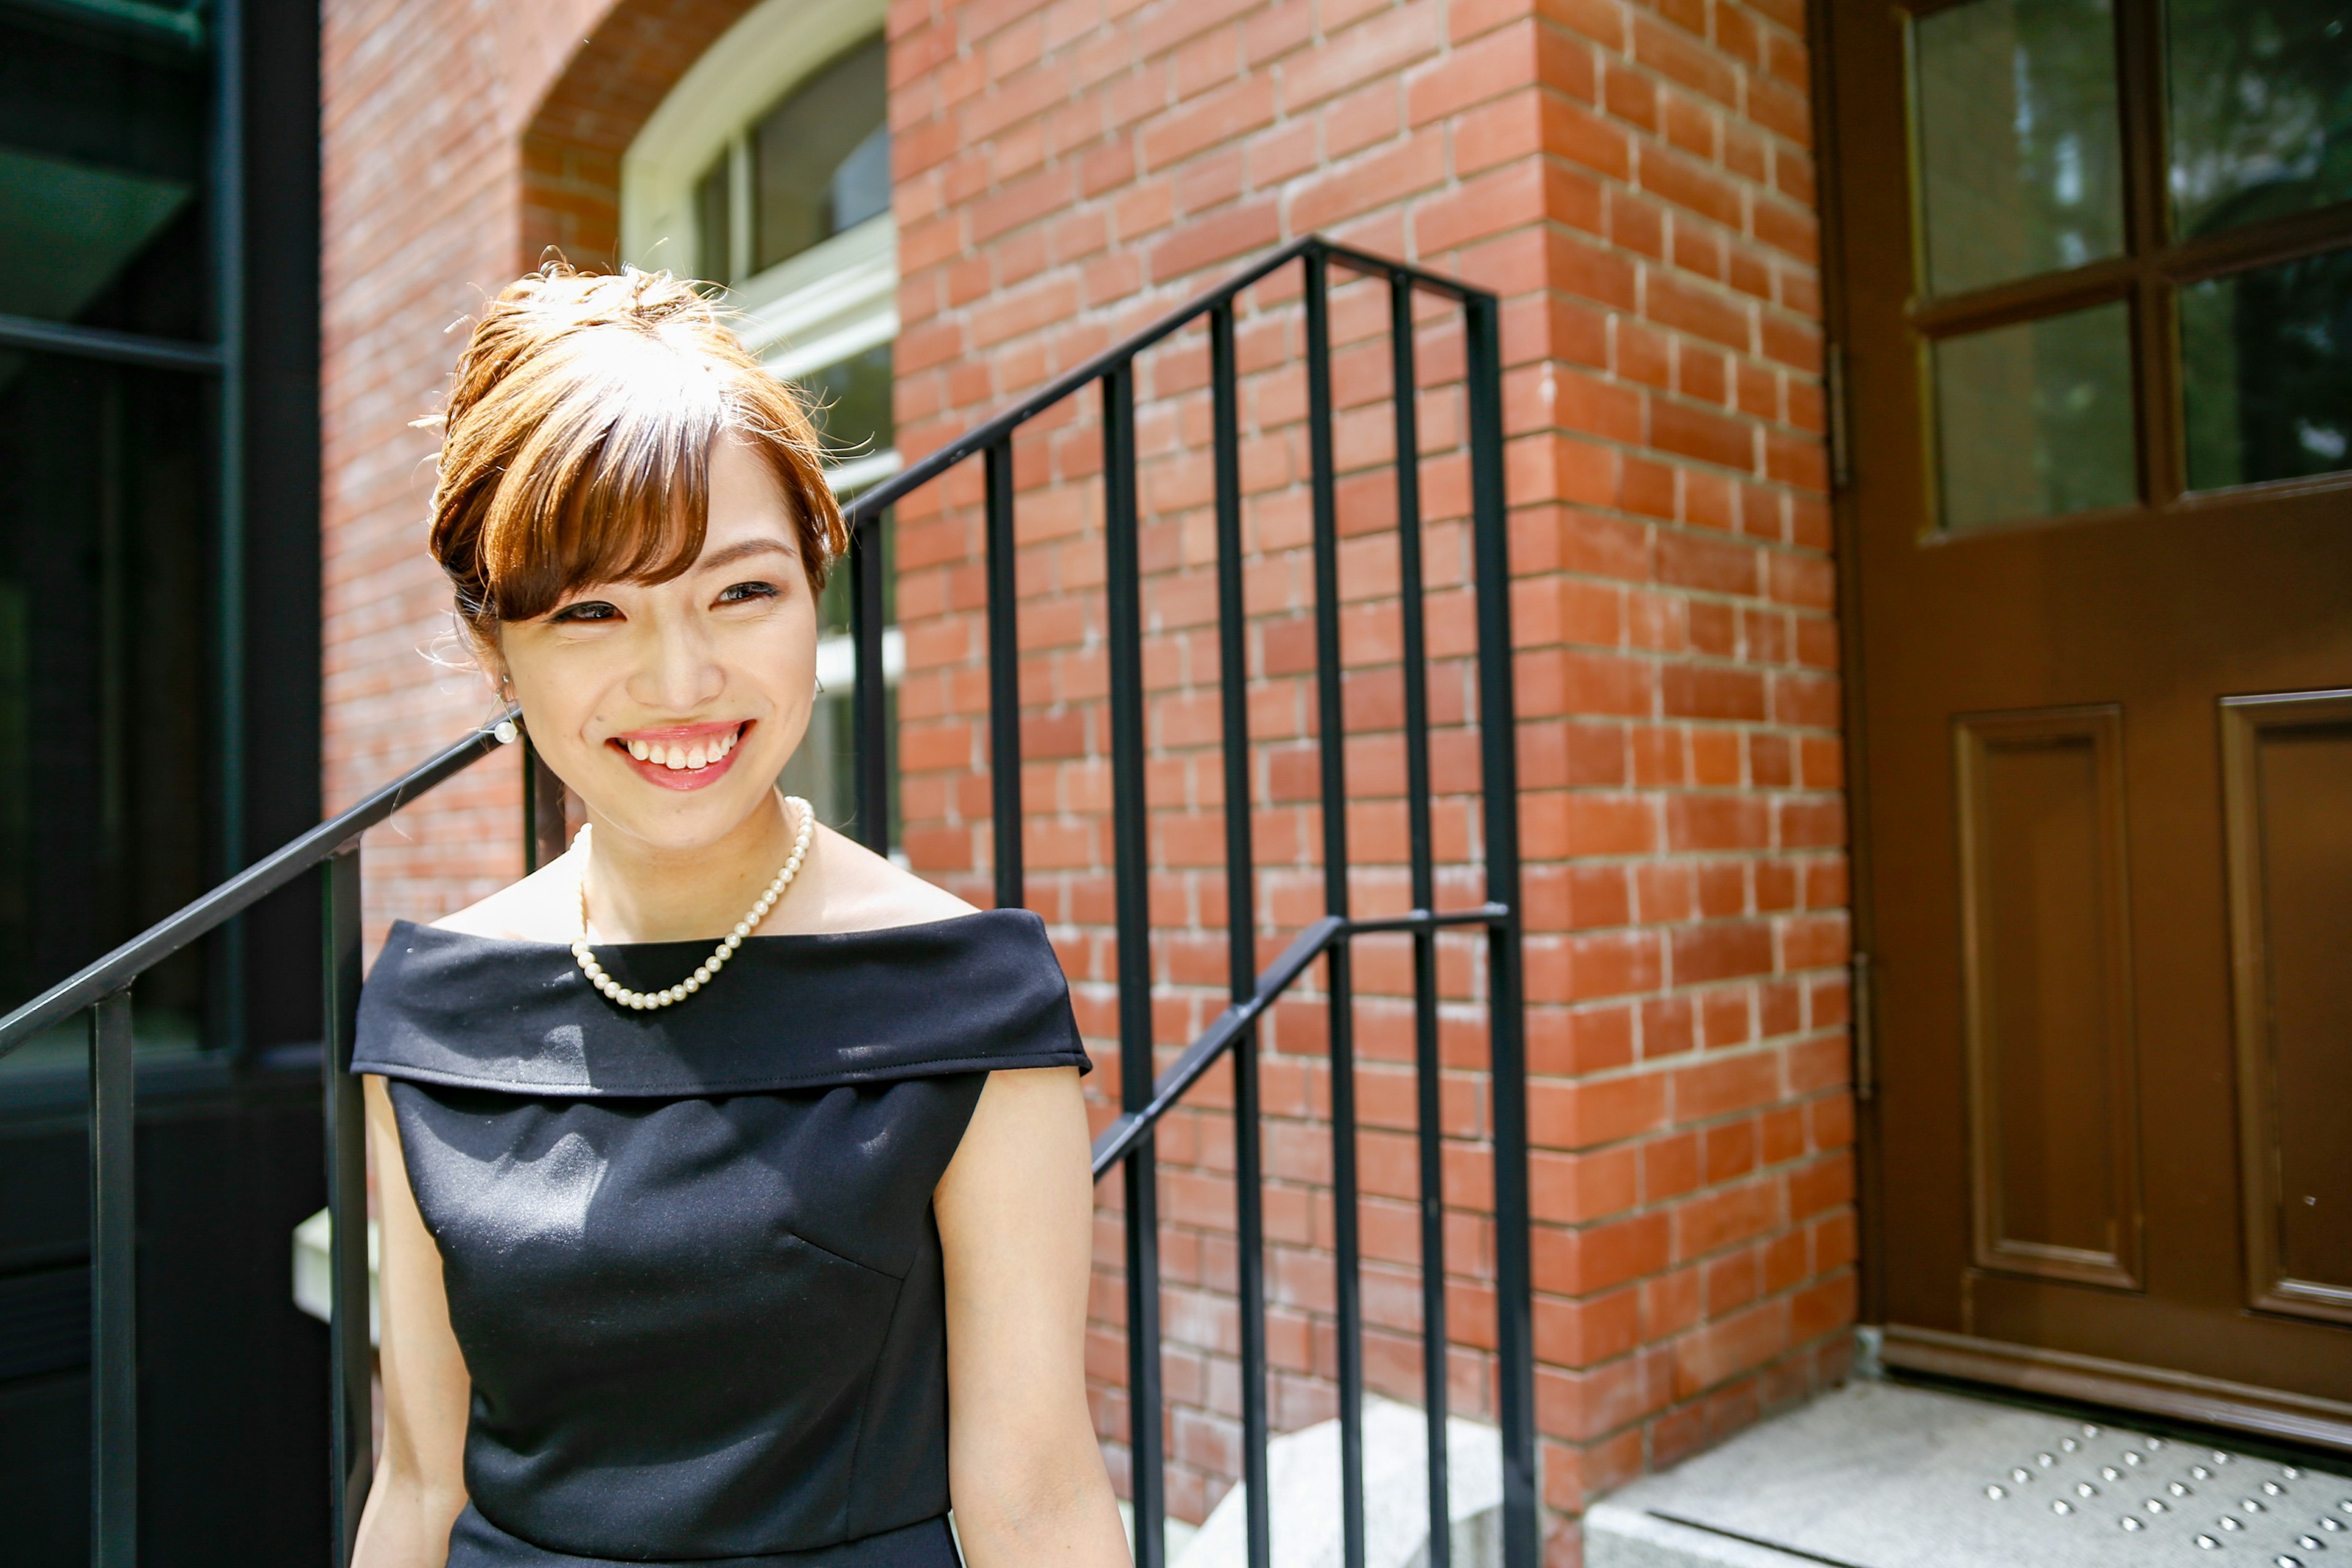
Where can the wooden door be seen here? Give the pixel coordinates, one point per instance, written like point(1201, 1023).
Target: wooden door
point(2093, 305)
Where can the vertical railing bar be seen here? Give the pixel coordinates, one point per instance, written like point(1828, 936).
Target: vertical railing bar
point(349, 1361)
point(869, 701)
point(1428, 1108)
point(1499, 791)
point(113, 1288)
point(542, 810)
point(1123, 601)
point(1330, 724)
point(1241, 926)
point(1004, 679)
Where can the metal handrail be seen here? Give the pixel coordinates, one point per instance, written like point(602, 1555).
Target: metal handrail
point(102, 989)
point(87, 985)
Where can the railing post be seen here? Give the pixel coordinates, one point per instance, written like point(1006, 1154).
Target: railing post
point(1123, 601)
point(870, 701)
point(1241, 926)
point(113, 1288)
point(349, 1361)
point(1499, 785)
point(1004, 679)
point(1331, 728)
point(1429, 1101)
point(542, 810)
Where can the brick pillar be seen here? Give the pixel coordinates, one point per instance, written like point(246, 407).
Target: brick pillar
point(1636, 183)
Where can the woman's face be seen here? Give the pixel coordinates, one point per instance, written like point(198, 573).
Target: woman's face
point(669, 708)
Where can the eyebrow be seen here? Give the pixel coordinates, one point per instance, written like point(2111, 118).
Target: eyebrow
point(745, 551)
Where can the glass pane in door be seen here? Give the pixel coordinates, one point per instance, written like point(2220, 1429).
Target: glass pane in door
point(2035, 420)
point(2261, 109)
point(2266, 373)
point(2018, 140)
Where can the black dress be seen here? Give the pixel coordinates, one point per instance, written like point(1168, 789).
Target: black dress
point(689, 1254)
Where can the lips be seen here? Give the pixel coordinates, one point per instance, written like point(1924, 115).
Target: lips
point(682, 756)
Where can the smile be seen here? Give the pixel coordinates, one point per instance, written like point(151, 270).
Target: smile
point(685, 756)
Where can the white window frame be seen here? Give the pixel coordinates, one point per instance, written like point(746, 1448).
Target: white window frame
point(835, 299)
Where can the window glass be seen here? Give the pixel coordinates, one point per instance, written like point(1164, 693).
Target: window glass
point(103, 146)
point(105, 475)
point(821, 159)
point(2261, 109)
point(714, 226)
point(850, 401)
point(2035, 420)
point(2018, 139)
point(2266, 373)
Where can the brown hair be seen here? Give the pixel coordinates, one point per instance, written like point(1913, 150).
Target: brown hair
point(575, 444)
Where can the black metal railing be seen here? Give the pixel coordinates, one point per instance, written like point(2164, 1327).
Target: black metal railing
point(103, 990)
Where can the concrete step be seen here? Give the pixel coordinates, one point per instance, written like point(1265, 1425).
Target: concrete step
point(1880, 1475)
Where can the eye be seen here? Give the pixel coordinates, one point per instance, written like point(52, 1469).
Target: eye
point(585, 610)
point(744, 592)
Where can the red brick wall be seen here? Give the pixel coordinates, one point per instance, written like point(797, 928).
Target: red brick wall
point(1636, 183)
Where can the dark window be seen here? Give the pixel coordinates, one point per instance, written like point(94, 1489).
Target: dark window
point(821, 159)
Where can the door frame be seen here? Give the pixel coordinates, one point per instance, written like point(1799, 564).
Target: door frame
point(2021, 1369)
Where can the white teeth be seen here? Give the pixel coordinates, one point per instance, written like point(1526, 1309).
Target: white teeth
point(679, 755)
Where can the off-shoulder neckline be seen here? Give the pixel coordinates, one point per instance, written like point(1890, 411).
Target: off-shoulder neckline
point(453, 932)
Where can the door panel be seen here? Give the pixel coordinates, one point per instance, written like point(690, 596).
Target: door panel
point(2097, 345)
point(2288, 783)
point(2051, 1108)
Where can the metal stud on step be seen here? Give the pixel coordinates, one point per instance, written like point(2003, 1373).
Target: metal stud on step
point(2046, 1461)
point(2021, 1477)
point(2229, 1523)
point(2109, 1473)
point(2178, 1488)
point(2059, 1505)
point(2208, 1543)
point(1994, 1492)
point(2272, 1488)
point(2068, 1445)
point(2128, 1522)
point(2131, 1457)
point(2200, 1472)
point(2311, 1543)
point(2090, 1431)
point(2085, 1489)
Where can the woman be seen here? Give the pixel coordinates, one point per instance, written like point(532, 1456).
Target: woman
point(708, 1236)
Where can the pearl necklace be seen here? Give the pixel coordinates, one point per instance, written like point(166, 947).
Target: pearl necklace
point(647, 1000)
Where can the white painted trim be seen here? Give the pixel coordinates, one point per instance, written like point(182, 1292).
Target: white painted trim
point(837, 659)
point(855, 473)
point(755, 62)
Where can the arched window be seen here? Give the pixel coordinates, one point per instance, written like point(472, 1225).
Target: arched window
point(767, 169)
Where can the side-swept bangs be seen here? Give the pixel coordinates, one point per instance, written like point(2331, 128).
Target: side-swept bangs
point(576, 443)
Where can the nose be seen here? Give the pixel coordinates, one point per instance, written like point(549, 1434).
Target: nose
point(679, 671)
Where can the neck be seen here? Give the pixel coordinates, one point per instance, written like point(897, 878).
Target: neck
point(643, 893)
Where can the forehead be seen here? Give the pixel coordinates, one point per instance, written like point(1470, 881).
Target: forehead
point(748, 504)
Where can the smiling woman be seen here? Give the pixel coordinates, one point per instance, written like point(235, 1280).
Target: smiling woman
point(682, 1264)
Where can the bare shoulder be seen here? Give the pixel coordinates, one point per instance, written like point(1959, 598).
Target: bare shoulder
point(542, 907)
point(860, 891)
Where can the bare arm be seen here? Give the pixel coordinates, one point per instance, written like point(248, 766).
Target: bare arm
point(420, 1483)
point(1016, 1213)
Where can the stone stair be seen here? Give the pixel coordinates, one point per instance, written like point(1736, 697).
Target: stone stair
point(1877, 1475)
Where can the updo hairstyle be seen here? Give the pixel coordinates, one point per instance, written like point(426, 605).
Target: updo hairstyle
point(576, 440)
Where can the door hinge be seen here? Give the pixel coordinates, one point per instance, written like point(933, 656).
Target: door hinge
point(1865, 1033)
point(1834, 378)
